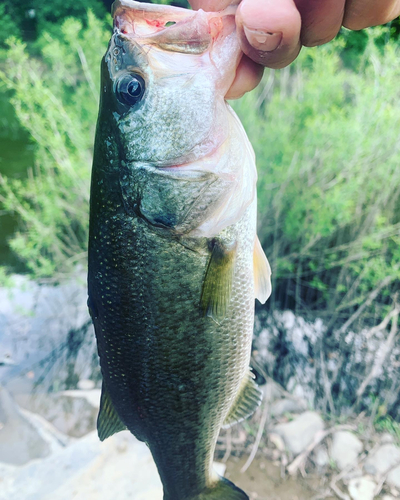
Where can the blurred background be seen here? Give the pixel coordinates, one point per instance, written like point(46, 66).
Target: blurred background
point(326, 347)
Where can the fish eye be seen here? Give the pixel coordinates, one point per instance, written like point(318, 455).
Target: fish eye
point(130, 89)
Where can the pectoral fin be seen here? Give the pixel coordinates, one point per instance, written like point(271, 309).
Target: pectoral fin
point(246, 403)
point(108, 421)
point(217, 286)
point(262, 273)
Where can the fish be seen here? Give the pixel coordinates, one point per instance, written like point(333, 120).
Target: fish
point(175, 263)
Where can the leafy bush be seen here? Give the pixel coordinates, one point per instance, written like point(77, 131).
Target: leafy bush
point(29, 18)
point(326, 140)
point(8, 25)
point(56, 100)
point(57, 11)
point(177, 3)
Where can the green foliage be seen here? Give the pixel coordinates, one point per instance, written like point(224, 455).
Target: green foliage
point(177, 3)
point(55, 99)
point(385, 423)
point(57, 10)
point(328, 154)
point(8, 25)
point(9, 124)
point(29, 18)
point(326, 139)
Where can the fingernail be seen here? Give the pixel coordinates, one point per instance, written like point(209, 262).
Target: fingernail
point(263, 40)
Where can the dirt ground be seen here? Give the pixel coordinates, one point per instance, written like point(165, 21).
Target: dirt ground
point(263, 481)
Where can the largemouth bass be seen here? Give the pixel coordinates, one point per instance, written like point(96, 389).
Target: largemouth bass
point(174, 260)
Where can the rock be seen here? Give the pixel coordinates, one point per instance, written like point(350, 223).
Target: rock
point(287, 405)
point(47, 331)
point(5, 357)
point(386, 438)
point(220, 468)
point(345, 449)
point(121, 467)
point(87, 469)
point(289, 347)
point(382, 461)
point(24, 436)
point(299, 433)
point(277, 441)
point(321, 456)
point(86, 385)
point(388, 497)
point(385, 457)
point(271, 391)
point(362, 488)
point(72, 412)
point(393, 478)
point(92, 396)
point(284, 344)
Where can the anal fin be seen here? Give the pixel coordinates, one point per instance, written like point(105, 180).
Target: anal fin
point(262, 273)
point(217, 286)
point(108, 421)
point(247, 401)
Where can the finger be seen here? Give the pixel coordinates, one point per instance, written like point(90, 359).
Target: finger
point(269, 31)
point(321, 20)
point(363, 13)
point(211, 5)
point(248, 76)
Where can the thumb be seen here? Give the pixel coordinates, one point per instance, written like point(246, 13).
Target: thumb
point(269, 31)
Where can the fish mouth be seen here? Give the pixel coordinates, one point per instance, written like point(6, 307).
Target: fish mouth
point(170, 28)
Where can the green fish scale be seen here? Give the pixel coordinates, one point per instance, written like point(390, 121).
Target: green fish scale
point(172, 374)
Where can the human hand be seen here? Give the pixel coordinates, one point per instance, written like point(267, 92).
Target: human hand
point(272, 32)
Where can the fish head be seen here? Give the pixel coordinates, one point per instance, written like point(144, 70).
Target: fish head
point(164, 77)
